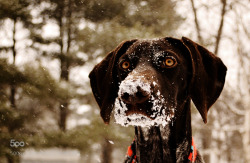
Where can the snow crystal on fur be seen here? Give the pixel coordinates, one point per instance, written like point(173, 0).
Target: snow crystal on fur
point(160, 117)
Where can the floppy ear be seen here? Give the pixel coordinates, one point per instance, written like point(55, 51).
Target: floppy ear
point(208, 79)
point(104, 80)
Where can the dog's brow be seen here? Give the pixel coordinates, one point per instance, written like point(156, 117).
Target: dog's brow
point(160, 53)
point(131, 55)
point(163, 53)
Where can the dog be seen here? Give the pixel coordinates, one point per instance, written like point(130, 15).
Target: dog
point(149, 84)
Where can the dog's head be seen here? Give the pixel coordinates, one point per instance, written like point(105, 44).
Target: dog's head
point(148, 81)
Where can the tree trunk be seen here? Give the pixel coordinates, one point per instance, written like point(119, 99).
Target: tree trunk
point(63, 116)
point(198, 31)
point(218, 37)
point(10, 160)
point(69, 23)
point(14, 40)
point(63, 106)
point(107, 150)
point(206, 142)
point(12, 84)
point(65, 63)
point(13, 159)
point(12, 94)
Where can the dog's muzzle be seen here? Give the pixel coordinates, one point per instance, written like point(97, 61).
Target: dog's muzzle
point(139, 104)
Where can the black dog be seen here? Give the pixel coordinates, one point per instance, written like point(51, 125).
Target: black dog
point(150, 83)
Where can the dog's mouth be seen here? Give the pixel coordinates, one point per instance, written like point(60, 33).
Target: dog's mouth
point(143, 109)
point(149, 113)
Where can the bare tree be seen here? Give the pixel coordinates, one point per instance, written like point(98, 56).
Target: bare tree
point(207, 134)
point(243, 88)
point(218, 36)
point(12, 84)
point(197, 25)
point(234, 104)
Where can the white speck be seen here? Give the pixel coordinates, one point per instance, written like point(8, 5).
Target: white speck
point(143, 3)
point(111, 142)
point(158, 93)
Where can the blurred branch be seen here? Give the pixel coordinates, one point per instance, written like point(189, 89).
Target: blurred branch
point(240, 19)
point(5, 48)
point(243, 73)
point(245, 29)
point(198, 31)
point(218, 37)
point(233, 107)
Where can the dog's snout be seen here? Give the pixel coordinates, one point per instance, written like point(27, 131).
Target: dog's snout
point(137, 97)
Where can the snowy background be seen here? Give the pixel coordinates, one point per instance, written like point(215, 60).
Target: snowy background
point(47, 49)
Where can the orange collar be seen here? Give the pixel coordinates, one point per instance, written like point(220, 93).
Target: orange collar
point(193, 152)
point(131, 156)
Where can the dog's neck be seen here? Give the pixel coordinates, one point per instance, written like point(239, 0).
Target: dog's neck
point(168, 144)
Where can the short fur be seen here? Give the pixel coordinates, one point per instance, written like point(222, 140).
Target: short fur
point(199, 75)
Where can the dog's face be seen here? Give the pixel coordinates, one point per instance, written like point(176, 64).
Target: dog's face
point(148, 81)
point(153, 83)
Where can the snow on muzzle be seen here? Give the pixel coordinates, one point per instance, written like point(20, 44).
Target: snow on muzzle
point(137, 105)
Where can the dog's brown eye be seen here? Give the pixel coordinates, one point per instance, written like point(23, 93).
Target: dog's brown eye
point(169, 62)
point(125, 65)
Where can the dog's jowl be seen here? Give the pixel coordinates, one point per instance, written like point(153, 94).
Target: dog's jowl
point(149, 84)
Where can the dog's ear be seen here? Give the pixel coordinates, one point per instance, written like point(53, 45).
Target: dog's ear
point(208, 79)
point(104, 80)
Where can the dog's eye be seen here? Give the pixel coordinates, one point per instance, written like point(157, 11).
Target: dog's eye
point(125, 65)
point(169, 62)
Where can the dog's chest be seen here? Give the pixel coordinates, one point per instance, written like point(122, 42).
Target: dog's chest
point(153, 142)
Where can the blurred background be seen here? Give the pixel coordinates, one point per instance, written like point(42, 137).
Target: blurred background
point(48, 47)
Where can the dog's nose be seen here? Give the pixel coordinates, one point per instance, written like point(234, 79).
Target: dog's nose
point(139, 96)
